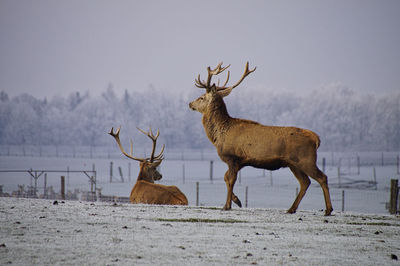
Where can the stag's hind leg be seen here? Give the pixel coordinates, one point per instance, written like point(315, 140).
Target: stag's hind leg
point(322, 179)
point(236, 200)
point(304, 184)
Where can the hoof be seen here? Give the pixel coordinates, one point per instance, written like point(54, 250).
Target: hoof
point(238, 203)
point(226, 208)
point(328, 212)
point(291, 211)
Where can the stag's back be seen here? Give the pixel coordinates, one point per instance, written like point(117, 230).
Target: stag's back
point(257, 145)
point(150, 193)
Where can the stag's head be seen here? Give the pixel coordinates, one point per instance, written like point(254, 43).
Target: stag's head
point(203, 103)
point(149, 172)
point(148, 166)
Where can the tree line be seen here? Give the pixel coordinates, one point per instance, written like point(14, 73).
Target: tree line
point(344, 118)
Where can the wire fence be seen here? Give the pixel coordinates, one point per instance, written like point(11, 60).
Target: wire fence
point(363, 176)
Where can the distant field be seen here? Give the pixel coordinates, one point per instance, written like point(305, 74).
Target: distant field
point(266, 189)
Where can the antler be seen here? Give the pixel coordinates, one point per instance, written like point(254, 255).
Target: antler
point(116, 137)
point(215, 71)
point(150, 134)
point(219, 69)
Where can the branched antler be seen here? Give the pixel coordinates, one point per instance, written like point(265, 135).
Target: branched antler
point(150, 134)
point(219, 69)
point(130, 155)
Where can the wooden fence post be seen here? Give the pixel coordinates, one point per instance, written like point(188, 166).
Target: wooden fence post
point(394, 193)
point(183, 173)
point(323, 164)
point(111, 171)
point(63, 187)
point(120, 173)
point(94, 177)
point(211, 170)
point(339, 177)
point(129, 172)
point(45, 186)
point(68, 176)
point(342, 200)
point(36, 178)
point(197, 193)
point(358, 165)
point(246, 196)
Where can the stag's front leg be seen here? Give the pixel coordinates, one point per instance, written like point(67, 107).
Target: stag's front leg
point(230, 179)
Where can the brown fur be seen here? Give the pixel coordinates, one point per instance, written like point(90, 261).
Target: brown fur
point(241, 143)
point(150, 193)
point(147, 192)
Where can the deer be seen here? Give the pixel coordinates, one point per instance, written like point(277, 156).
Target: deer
point(240, 142)
point(145, 190)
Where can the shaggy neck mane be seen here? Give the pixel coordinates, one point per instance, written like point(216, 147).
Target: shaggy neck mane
point(216, 120)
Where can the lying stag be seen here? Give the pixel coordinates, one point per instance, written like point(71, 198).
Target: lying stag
point(145, 191)
point(243, 143)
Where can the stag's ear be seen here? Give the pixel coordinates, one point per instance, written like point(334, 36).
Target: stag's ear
point(225, 92)
point(156, 163)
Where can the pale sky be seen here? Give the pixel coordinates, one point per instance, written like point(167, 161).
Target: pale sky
point(57, 47)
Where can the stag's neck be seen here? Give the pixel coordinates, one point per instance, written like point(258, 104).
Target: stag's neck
point(217, 120)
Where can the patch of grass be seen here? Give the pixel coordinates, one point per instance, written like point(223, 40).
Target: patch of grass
point(211, 208)
point(376, 223)
point(199, 220)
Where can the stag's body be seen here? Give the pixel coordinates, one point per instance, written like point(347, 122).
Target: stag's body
point(150, 193)
point(145, 190)
point(241, 143)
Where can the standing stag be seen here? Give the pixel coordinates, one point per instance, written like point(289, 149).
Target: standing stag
point(241, 142)
point(145, 190)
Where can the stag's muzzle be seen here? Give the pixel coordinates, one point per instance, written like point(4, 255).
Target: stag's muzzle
point(157, 176)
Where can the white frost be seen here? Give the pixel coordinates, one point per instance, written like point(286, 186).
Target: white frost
point(37, 232)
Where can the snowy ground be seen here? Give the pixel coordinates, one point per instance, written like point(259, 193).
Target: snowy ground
point(38, 232)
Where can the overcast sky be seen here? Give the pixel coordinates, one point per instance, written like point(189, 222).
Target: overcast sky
point(57, 47)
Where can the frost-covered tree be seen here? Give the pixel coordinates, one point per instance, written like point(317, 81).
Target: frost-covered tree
point(345, 119)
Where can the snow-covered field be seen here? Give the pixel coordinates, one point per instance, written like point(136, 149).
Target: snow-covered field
point(39, 232)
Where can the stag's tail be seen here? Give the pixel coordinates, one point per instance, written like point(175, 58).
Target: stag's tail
point(314, 136)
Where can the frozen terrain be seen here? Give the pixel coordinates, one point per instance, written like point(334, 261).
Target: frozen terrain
point(44, 232)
